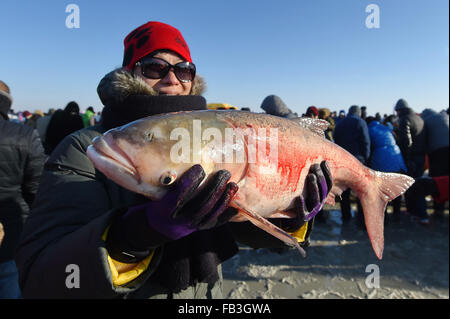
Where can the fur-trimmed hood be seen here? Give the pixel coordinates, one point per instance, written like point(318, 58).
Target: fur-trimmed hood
point(119, 84)
point(5, 103)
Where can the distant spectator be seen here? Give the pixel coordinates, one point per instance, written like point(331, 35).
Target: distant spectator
point(42, 124)
point(21, 163)
point(31, 122)
point(412, 142)
point(436, 186)
point(364, 112)
point(334, 116)
point(312, 112)
point(437, 133)
point(352, 134)
point(88, 117)
point(325, 114)
point(274, 105)
point(63, 123)
point(385, 155)
point(378, 117)
point(391, 122)
point(340, 117)
point(26, 116)
point(98, 118)
point(437, 141)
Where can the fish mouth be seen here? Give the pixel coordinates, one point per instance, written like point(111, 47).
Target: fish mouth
point(109, 151)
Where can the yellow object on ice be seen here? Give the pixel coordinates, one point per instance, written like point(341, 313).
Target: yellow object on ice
point(221, 106)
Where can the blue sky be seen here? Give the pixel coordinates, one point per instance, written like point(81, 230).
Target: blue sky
point(306, 52)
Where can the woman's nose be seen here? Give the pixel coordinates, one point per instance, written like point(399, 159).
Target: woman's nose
point(171, 77)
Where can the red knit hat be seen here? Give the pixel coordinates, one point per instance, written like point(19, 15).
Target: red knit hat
point(312, 110)
point(150, 37)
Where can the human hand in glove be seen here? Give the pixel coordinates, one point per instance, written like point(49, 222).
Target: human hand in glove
point(318, 184)
point(182, 211)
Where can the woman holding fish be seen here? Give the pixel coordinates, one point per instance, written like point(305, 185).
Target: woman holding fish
point(88, 237)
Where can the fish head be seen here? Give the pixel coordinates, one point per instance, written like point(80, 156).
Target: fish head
point(140, 156)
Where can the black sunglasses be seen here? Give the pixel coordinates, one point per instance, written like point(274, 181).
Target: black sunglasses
point(157, 68)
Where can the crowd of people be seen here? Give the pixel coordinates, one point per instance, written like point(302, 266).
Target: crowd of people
point(54, 125)
point(58, 210)
point(407, 142)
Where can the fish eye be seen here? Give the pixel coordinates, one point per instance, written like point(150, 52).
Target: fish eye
point(168, 178)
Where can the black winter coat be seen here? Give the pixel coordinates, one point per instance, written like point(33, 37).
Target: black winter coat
point(61, 124)
point(411, 134)
point(21, 161)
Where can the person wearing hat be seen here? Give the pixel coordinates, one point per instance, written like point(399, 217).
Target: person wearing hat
point(352, 134)
point(411, 138)
point(61, 124)
point(21, 161)
point(122, 244)
point(312, 112)
point(325, 114)
point(274, 105)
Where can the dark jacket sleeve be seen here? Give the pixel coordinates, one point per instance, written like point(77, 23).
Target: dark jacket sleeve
point(404, 136)
point(365, 141)
point(62, 238)
point(33, 168)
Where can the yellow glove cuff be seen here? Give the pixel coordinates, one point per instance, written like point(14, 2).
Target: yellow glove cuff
point(124, 273)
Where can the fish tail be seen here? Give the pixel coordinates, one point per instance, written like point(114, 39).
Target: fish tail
point(374, 198)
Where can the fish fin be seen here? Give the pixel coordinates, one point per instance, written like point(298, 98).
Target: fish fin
point(316, 126)
point(267, 226)
point(284, 214)
point(389, 186)
point(330, 200)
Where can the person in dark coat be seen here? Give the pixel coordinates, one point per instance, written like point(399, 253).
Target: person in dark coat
point(363, 112)
point(119, 243)
point(21, 162)
point(411, 138)
point(62, 123)
point(437, 133)
point(352, 134)
point(274, 105)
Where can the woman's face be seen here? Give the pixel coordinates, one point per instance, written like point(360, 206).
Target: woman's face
point(169, 85)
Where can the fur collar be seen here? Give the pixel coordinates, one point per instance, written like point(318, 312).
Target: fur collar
point(119, 84)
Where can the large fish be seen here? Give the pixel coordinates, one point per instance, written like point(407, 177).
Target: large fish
point(268, 157)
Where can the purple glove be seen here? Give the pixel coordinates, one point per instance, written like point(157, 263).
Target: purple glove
point(182, 211)
point(179, 213)
point(318, 184)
